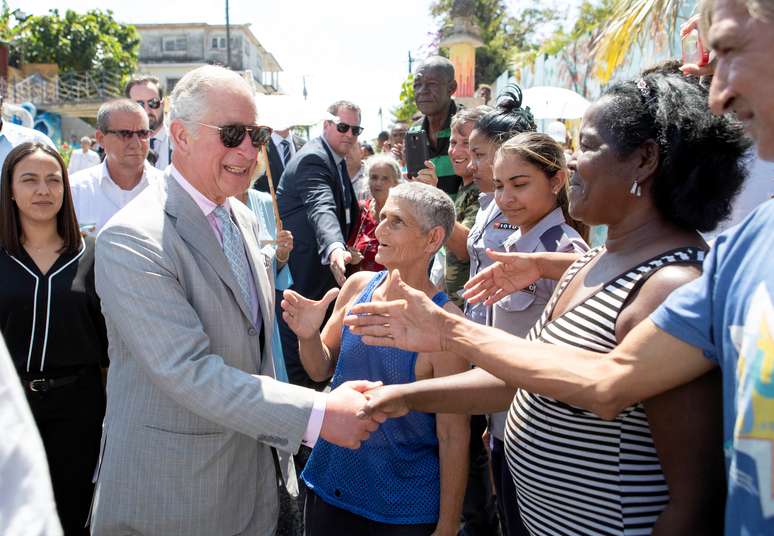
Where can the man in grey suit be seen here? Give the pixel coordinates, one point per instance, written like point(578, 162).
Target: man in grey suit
point(195, 423)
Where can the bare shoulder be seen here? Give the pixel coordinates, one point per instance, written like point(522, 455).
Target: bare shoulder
point(654, 291)
point(352, 288)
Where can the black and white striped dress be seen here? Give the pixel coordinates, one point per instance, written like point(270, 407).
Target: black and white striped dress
point(576, 473)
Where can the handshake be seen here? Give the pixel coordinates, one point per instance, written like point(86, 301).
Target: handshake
point(355, 409)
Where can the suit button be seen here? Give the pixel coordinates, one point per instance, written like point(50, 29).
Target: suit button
point(252, 332)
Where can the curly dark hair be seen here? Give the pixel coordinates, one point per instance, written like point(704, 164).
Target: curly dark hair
point(508, 118)
point(701, 166)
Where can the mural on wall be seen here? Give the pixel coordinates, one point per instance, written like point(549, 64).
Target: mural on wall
point(48, 123)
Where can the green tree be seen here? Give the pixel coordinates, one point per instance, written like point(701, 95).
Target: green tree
point(408, 107)
point(502, 33)
point(90, 42)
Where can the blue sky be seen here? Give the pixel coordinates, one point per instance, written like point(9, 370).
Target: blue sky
point(353, 49)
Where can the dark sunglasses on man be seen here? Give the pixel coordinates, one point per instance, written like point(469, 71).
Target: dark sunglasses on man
point(344, 127)
point(153, 103)
point(232, 135)
point(126, 135)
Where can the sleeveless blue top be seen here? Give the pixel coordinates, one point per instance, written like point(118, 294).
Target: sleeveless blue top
point(394, 476)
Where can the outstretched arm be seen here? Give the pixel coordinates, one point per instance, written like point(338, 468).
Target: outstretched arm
point(648, 362)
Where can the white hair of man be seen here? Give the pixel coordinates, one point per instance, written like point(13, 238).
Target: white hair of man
point(432, 206)
point(188, 101)
point(85, 140)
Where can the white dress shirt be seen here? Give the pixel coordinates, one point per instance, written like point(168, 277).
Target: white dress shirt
point(80, 160)
point(160, 145)
point(27, 500)
point(97, 198)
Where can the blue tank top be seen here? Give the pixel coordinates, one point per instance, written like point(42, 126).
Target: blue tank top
point(393, 477)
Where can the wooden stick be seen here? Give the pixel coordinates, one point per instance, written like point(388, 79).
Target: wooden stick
point(277, 219)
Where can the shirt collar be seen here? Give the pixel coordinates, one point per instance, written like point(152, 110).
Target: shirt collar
point(484, 199)
point(105, 174)
point(279, 139)
point(528, 241)
point(206, 205)
point(336, 156)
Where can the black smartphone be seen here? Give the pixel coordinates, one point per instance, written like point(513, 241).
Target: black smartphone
point(417, 152)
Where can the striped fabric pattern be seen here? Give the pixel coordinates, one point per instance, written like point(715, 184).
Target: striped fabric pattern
point(576, 473)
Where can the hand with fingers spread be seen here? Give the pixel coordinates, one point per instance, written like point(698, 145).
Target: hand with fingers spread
point(339, 260)
point(510, 273)
point(428, 174)
point(305, 316)
point(386, 402)
point(410, 320)
point(344, 424)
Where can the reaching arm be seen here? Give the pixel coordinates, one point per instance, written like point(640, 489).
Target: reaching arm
point(458, 242)
point(647, 362)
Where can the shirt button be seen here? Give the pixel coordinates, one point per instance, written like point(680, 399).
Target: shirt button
point(252, 332)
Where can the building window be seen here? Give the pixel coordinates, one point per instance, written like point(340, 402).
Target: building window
point(177, 43)
point(247, 51)
point(171, 82)
point(214, 42)
point(222, 42)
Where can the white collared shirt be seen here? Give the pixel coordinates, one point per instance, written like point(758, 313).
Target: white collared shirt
point(277, 140)
point(160, 145)
point(97, 198)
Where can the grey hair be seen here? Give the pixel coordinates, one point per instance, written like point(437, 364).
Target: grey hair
point(85, 139)
point(383, 160)
point(334, 108)
point(438, 63)
point(758, 9)
point(117, 105)
point(469, 115)
point(432, 206)
point(188, 101)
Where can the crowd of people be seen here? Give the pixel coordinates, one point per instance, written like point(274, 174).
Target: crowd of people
point(222, 328)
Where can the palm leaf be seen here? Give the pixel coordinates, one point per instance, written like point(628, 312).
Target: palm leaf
point(631, 22)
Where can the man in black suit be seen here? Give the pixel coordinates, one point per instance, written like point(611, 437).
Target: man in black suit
point(283, 147)
point(318, 205)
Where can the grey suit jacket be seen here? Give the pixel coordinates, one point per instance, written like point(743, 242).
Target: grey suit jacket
point(190, 424)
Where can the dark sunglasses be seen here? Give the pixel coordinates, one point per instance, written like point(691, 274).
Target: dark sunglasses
point(344, 127)
point(126, 135)
point(153, 103)
point(232, 135)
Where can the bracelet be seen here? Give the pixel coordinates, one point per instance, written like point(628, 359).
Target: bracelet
point(283, 261)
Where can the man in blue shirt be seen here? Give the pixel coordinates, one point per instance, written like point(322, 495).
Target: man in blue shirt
point(725, 318)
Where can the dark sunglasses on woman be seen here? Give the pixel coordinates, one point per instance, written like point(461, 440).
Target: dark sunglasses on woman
point(232, 135)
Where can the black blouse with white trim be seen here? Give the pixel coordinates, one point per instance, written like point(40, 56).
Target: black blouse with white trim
point(52, 322)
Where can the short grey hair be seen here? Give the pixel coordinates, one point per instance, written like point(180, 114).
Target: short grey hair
point(188, 101)
point(334, 108)
point(383, 160)
point(438, 63)
point(469, 115)
point(432, 206)
point(85, 139)
point(758, 9)
point(117, 105)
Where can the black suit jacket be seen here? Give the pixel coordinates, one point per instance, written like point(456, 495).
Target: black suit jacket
point(275, 164)
point(311, 205)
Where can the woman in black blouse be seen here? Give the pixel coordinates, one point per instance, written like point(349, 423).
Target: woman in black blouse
point(51, 320)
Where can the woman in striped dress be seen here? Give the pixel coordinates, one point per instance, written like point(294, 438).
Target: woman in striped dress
point(655, 167)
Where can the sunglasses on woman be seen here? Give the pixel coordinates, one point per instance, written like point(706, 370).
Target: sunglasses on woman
point(344, 127)
point(232, 135)
point(153, 103)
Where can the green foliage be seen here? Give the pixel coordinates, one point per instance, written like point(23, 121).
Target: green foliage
point(503, 34)
point(92, 41)
point(407, 108)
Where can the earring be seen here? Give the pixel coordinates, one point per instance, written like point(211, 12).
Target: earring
point(636, 189)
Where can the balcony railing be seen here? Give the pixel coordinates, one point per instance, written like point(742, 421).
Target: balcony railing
point(64, 88)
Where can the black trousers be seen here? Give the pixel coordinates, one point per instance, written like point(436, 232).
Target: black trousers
point(507, 503)
point(69, 419)
point(323, 519)
point(479, 511)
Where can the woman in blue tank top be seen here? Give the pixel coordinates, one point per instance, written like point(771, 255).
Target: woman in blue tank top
point(409, 476)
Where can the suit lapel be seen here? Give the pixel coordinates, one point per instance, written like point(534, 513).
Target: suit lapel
point(193, 227)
